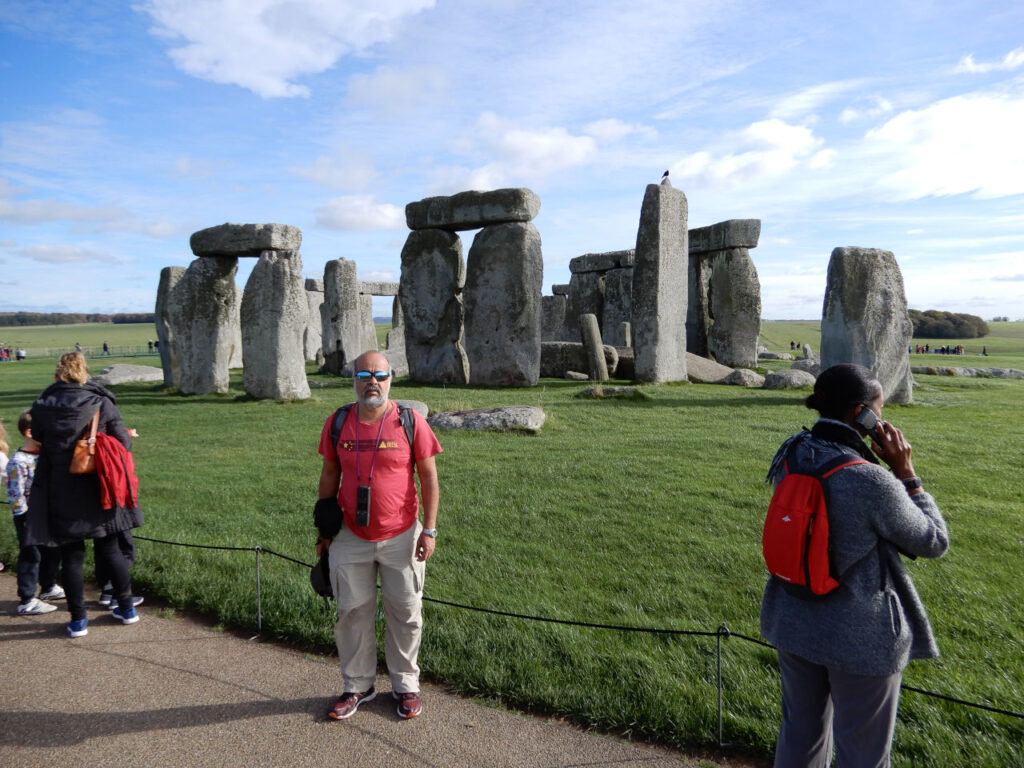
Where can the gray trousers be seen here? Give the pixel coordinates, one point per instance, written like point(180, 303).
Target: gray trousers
point(824, 707)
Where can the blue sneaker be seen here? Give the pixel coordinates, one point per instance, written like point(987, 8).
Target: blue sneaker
point(125, 616)
point(136, 600)
point(78, 628)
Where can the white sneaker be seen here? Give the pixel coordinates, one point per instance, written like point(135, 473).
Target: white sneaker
point(34, 607)
point(56, 592)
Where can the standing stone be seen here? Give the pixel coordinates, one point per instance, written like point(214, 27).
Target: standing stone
point(430, 292)
point(736, 307)
point(204, 321)
point(312, 338)
point(698, 307)
point(591, 335)
point(236, 332)
point(865, 318)
point(346, 317)
point(624, 336)
point(504, 275)
point(586, 297)
point(552, 317)
point(169, 278)
point(274, 320)
point(618, 302)
point(659, 280)
point(394, 341)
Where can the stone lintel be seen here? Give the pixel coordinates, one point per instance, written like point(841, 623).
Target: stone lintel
point(313, 284)
point(560, 289)
point(601, 262)
point(734, 233)
point(378, 288)
point(473, 210)
point(245, 239)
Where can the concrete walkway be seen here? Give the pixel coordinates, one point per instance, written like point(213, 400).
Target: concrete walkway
point(169, 691)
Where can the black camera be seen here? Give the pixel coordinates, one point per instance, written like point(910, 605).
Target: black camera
point(363, 506)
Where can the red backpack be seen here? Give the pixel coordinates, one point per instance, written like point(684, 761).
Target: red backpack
point(795, 540)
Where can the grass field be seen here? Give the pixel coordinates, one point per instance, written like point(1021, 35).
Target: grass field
point(643, 513)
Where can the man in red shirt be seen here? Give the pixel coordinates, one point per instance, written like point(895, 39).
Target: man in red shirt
point(370, 472)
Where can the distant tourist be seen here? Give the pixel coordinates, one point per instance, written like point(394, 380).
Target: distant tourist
point(106, 349)
point(21, 353)
point(842, 654)
point(78, 347)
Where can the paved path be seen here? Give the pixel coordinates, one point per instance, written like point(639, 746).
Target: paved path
point(169, 691)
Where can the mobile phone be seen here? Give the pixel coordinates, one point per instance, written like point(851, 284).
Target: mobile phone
point(363, 506)
point(867, 419)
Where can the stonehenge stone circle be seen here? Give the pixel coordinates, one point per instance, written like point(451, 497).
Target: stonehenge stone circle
point(245, 239)
point(169, 278)
point(274, 320)
point(865, 319)
point(473, 210)
point(504, 276)
point(659, 274)
point(430, 292)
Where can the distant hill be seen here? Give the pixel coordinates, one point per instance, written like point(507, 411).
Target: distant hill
point(14, 319)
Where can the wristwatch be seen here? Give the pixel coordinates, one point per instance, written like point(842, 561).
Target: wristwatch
point(431, 532)
point(911, 483)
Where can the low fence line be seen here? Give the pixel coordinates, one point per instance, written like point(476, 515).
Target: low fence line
point(723, 632)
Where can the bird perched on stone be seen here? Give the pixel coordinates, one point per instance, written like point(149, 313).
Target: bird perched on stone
point(664, 179)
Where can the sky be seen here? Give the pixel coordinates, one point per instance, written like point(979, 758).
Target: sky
point(126, 126)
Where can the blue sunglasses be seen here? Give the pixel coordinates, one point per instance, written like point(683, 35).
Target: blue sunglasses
point(378, 375)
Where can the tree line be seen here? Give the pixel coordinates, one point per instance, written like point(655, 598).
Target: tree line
point(935, 324)
point(10, 319)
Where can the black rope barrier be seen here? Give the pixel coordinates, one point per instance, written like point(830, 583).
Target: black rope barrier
point(722, 632)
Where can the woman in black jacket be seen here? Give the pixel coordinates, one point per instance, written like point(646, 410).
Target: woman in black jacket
point(65, 509)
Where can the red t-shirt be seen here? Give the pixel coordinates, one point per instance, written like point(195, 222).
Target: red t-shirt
point(394, 505)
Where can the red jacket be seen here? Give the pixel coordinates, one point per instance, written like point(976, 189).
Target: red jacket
point(115, 467)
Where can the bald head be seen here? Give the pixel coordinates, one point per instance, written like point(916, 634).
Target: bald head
point(372, 395)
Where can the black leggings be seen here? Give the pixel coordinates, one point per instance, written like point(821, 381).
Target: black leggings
point(73, 557)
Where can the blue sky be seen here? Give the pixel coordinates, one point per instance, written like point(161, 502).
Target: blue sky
point(126, 126)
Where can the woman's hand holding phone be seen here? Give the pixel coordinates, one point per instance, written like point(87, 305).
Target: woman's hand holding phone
point(892, 447)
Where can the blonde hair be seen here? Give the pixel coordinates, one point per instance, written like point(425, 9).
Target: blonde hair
point(4, 447)
point(72, 368)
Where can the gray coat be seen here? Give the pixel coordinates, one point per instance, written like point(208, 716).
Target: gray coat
point(874, 623)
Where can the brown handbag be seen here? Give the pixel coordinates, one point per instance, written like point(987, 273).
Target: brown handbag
point(83, 460)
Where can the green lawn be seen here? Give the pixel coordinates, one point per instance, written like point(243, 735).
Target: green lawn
point(643, 513)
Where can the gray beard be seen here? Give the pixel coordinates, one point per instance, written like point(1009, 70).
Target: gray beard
point(371, 401)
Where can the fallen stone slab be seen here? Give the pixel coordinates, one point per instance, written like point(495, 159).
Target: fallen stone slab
point(774, 356)
point(576, 376)
point(983, 373)
point(417, 405)
point(245, 239)
point(509, 418)
point(788, 379)
point(701, 370)
point(378, 288)
point(124, 373)
point(811, 365)
point(599, 391)
point(473, 210)
point(557, 357)
point(744, 377)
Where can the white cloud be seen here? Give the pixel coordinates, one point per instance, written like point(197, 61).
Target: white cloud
point(378, 276)
point(1009, 278)
point(46, 211)
point(65, 253)
point(1011, 61)
point(359, 213)
point(612, 130)
point(345, 169)
point(390, 92)
point(773, 148)
point(965, 144)
point(805, 102)
point(875, 107)
point(264, 45)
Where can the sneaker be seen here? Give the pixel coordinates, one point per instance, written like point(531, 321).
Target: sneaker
point(106, 599)
point(127, 616)
point(409, 704)
point(349, 702)
point(78, 628)
point(136, 600)
point(56, 592)
point(35, 607)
